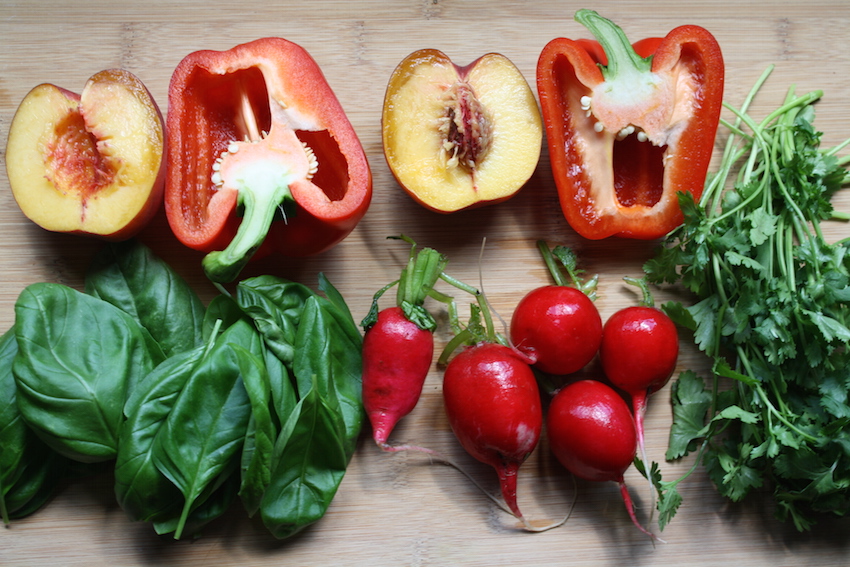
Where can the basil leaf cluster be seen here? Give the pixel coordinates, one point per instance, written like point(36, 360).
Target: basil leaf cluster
point(256, 396)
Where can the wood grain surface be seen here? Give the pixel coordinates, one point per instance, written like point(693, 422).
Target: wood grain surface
point(399, 509)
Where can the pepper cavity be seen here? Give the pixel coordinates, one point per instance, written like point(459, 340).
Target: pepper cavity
point(253, 134)
point(465, 128)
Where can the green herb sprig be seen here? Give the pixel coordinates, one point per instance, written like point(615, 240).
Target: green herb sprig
point(772, 312)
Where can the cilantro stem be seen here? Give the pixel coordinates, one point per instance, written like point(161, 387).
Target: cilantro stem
point(835, 149)
point(718, 183)
point(721, 291)
point(773, 411)
point(803, 100)
point(785, 250)
point(759, 139)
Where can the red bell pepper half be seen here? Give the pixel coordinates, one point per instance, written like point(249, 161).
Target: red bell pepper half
point(629, 126)
point(261, 157)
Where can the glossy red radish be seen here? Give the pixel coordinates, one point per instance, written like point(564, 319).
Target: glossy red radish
point(397, 355)
point(492, 401)
point(640, 347)
point(558, 326)
point(592, 433)
point(398, 344)
point(493, 405)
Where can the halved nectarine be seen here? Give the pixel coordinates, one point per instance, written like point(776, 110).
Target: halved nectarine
point(460, 137)
point(90, 163)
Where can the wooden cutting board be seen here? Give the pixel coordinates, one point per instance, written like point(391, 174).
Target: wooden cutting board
point(400, 509)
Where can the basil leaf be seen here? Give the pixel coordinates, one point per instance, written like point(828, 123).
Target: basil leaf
point(141, 490)
point(213, 506)
point(259, 441)
point(284, 397)
point(275, 306)
point(269, 409)
point(316, 442)
point(131, 277)
point(205, 430)
point(78, 358)
point(13, 431)
point(29, 470)
point(221, 313)
point(40, 473)
point(328, 357)
point(312, 463)
point(335, 297)
point(316, 340)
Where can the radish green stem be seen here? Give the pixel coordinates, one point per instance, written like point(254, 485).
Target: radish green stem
point(647, 299)
point(415, 284)
point(639, 410)
point(569, 264)
point(458, 284)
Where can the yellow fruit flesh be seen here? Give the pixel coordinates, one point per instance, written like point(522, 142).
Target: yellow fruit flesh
point(85, 165)
point(31, 136)
point(413, 141)
point(129, 137)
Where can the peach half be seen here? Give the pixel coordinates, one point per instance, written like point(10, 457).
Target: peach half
point(460, 137)
point(91, 163)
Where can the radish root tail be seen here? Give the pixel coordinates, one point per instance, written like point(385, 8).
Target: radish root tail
point(630, 508)
point(438, 457)
point(639, 409)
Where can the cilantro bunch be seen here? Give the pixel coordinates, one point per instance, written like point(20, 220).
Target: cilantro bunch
point(772, 311)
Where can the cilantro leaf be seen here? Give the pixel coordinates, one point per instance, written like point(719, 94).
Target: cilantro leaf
point(763, 226)
point(735, 412)
point(690, 401)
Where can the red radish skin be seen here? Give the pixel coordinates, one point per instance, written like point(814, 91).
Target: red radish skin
point(397, 355)
point(592, 433)
point(558, 327)
point(493, 405)
point(639, 350)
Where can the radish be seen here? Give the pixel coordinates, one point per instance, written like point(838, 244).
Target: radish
point(493, 405)
point(492, 401)
point(558, 326)
point(639, 350)
point(592, 433)
point(398, 344)
point(397, 355)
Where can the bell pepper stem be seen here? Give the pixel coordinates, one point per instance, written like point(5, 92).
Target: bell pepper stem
point(623, 60)
point(260, 205)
